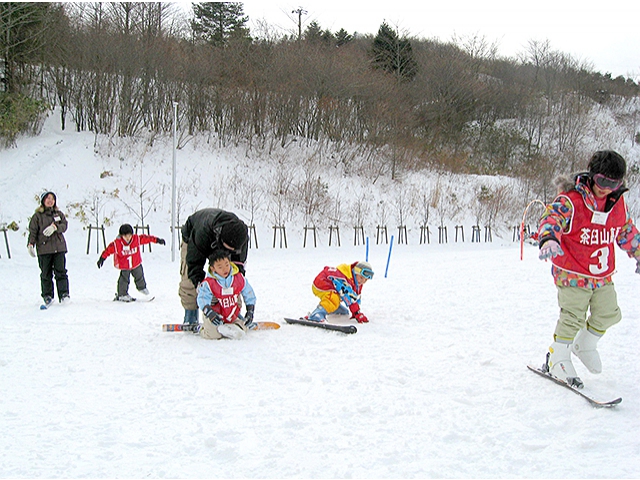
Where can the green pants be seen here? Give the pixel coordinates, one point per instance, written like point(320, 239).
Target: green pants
point(575, 302)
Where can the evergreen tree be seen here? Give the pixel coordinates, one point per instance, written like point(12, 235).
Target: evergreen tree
point(343, 37)
point(218, 22)
point(313, 33)
point(393, 54)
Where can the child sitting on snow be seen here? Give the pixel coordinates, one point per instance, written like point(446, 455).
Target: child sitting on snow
point(339, 291)
point(219, 299)
point(127, 258)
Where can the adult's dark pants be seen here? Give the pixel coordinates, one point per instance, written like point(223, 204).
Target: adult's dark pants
point(53, 264)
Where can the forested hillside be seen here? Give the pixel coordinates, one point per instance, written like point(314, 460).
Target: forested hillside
point(379, 106)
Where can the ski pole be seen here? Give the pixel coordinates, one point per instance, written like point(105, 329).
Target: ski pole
point(388, 257)
point(366, 259)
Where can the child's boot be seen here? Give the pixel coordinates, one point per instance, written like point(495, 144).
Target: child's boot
point(318, 315)
point(342, 310)
point(584, 347)
point(559, 364)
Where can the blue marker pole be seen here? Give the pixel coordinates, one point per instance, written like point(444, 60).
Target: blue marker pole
point(388, 257)
point(366, 259)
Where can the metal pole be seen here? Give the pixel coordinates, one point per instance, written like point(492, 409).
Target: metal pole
point(173, 186)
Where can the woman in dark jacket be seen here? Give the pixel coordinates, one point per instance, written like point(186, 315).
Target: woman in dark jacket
point(46, 230)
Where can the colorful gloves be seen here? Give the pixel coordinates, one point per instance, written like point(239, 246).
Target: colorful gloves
point(550, 249)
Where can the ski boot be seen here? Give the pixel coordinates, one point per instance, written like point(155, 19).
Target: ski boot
point(341, 310)
point(584, 347)
point(559, 364)
point(318, 315)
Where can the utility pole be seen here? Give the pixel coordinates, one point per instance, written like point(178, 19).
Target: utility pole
point(173, 185)
point(300, 11)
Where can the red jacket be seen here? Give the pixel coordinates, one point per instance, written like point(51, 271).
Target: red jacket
point(344, 271)
point(126, 256)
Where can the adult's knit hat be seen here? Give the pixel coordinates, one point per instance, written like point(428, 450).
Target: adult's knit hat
point(608, 163)
point(44, 195)
point(126, 229)
point(234, 234)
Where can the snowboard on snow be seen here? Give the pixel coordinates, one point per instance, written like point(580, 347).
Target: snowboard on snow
point(589, 398)
point(190, 327)
point(324, 325)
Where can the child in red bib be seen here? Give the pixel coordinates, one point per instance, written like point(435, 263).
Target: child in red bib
point(578, 231)
point(219, 298)
point(128, 259)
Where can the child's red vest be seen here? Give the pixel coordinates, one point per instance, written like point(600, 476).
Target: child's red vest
point(589, 244)
point(126, 256)
point(227, 305)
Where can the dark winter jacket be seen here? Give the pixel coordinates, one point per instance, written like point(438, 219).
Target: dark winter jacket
point(202, 232)
point(41, 219)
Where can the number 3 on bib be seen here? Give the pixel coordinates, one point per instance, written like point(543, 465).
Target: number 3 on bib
point(602, 255)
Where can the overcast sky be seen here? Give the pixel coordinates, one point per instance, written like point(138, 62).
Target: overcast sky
point(604, 34)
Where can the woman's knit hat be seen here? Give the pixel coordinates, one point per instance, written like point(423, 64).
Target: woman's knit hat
point(44, 195)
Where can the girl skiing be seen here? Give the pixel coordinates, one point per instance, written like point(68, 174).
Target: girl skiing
point(578, 232)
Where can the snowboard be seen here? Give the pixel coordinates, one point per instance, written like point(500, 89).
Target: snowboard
point(181, 327)
point(348, 329)
point(589, 398)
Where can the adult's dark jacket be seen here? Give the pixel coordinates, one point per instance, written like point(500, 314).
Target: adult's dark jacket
point(41, 219)
point(202, 232)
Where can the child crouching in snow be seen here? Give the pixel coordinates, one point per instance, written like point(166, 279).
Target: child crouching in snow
point(127, 258)
point(339, 291)
point(219, 299)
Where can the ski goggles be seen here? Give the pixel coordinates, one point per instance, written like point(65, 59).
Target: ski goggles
point(366, 273)
point(606, 183)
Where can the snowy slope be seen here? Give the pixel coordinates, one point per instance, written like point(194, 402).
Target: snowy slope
point(435, 386)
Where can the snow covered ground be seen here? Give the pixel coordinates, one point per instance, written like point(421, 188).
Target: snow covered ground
point(435, 386)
